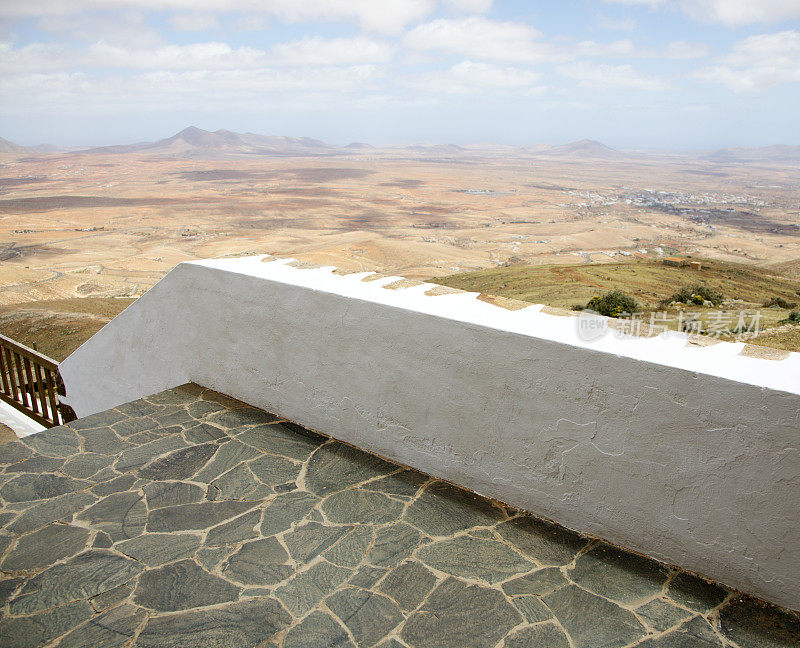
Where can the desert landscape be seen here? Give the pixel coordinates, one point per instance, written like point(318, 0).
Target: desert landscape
point(110, 222)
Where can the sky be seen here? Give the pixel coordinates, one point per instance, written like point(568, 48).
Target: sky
point(636, 74)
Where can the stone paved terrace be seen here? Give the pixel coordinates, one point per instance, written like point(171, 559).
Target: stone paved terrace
point(188, 519)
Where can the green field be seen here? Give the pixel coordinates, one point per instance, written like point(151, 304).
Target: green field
point(744, 287)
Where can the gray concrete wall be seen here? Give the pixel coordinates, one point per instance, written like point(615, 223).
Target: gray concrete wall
point(690, 457)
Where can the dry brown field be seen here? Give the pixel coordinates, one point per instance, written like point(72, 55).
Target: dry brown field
point(108, 225)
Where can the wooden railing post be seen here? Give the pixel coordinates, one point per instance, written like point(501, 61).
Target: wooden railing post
point(30, 382)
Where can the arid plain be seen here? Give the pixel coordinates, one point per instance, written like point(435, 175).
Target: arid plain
point(109, 223)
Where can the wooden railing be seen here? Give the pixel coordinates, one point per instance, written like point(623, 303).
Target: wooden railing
point(30, 382)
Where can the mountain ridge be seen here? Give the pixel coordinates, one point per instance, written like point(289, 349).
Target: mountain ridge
point(582, 148)
point(7, 146)
point(196, 142)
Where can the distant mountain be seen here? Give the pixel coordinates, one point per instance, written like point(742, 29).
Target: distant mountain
point(584, 148)
point(779, 153)
point(196, 142)
point(359, 146)
point(10, 147)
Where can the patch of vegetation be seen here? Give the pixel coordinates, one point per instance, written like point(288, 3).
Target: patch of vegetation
point(696, 294)
point(794, 318)
point(779, 302)
point(613, 304)
point(648, 281)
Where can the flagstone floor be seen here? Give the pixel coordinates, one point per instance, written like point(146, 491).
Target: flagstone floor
point(190, 520)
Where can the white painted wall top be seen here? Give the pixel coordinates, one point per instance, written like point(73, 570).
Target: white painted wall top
point(670, 349)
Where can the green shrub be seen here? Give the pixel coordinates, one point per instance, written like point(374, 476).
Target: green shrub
point(780, 302)
point(794, 318)
point(695, 294)
point(613, 304)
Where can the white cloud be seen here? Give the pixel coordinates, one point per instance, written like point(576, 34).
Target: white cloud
point(758, 63)
point(481, 38)
point(158, 91)
point(33, 57)
point(780, 48)
point(472, 77)
point(307, 52)
point(742, 12)
point(385, 16)
point(198, 56)
point(469, 6)
point(607, 77)
point(733, 13)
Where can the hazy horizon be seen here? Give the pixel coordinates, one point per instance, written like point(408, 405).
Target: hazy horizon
point(477, 144)
point(634, 74)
